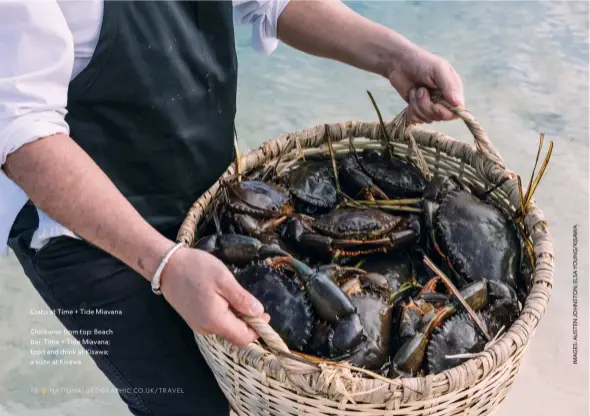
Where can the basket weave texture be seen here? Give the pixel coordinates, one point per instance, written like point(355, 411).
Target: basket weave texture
point(261, 380)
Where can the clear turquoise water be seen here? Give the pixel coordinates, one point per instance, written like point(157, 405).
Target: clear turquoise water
point(525, 70)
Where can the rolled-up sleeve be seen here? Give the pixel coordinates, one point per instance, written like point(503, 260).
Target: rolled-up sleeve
point(263, 15)
point(36, 62)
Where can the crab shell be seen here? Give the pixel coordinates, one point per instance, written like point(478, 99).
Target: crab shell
point(258, 198)
point(313, 186)
point(359, 224)
point(398, 268)
point(376, 315)
point(458, 335)
point(352, 177)
point(504, 306)
point(398, 179)
point(478, 239)
point(291, 313)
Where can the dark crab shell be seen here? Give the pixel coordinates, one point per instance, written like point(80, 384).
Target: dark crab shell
point(313, 185)
point(258, 198)
point(397, 178)
point(291, 313)
point(352, 177)
point(458, 335)
point(376, 315)
point(398, 268)
point(361, 224)
point(478, 238)
point(504, 306)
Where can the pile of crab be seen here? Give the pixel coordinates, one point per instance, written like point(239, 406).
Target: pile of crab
point(358, 258)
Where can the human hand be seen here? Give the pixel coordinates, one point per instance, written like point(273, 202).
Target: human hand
point(414, 72)
point(202, 290)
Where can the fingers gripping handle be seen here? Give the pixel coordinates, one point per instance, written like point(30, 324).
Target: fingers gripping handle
point(482, 141)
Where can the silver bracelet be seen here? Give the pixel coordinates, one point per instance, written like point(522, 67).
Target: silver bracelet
point(158, 273)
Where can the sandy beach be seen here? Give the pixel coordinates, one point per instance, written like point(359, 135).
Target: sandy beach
point(525, 70)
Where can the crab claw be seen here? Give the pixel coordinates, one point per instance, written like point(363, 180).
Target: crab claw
point(338, 340)
point(348, 334)
point(238, 248)
point(434, 298)
point(328, 299)
point(356, 182)
point(476, 294)
point(409, 358)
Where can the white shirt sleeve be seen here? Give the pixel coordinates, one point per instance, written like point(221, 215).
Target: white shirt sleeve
point(36, 62)
point(264, 17)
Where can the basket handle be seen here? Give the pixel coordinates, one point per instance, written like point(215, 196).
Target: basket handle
point(482, 141)
point(294, 369)
point(276, 344)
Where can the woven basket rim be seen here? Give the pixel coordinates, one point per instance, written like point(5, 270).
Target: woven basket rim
point(488, 167)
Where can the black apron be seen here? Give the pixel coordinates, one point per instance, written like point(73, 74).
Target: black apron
point(155, 107)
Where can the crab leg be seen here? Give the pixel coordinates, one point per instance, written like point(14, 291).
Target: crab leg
point(339, 246)
point(270, 225)
point(255, 227)
point(404, 201)
point(393, 240)
point(434, 297)
point(373, 191)
point(390, 207)
point(430, 286)
point(236, 248)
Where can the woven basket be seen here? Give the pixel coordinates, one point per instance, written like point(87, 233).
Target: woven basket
point(261, 380)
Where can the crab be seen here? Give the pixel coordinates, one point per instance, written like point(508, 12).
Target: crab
point(458, 335)
point(290, 310)
point(356, 182)
point(352, 232)
point(371, 295)
point(404, 271)
point(313, 187)
point(257, 207)
point(375, 175)
point(419, 320)
point(475, 238)
point(338, 331)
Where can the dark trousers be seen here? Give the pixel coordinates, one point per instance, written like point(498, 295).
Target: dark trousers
point(146, 348)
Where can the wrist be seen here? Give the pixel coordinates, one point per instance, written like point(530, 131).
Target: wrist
point(149, 259)
point(175, 267)
point(163, 263)
point(397, 51)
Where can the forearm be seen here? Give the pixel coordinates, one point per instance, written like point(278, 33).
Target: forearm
point(330, 29)
point(63, 181)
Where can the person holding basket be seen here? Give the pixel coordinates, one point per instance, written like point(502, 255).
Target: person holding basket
point(114, 118)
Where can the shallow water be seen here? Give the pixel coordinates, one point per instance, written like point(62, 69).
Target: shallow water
point(525, 70)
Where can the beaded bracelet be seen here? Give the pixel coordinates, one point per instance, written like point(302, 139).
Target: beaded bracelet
point(158, 273)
